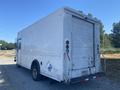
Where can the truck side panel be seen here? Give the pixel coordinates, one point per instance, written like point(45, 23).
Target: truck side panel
point(44, 41)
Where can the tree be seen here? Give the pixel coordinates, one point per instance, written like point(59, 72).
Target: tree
point(10, 46)
point(6, 45)
point(115, 35)
point(107, 41)
point(102, 32)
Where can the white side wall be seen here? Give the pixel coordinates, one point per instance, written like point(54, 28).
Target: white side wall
point(44, 41)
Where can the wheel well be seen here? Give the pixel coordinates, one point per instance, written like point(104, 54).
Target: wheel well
point(36, 63)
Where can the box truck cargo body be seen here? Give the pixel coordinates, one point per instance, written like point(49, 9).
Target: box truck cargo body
point(63, 46)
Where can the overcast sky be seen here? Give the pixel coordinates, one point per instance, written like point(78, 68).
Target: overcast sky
point(17, 14)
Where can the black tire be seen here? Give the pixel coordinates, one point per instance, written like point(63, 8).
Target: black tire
point(35, 70)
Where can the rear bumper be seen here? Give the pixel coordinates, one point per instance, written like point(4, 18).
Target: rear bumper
point(87, 77)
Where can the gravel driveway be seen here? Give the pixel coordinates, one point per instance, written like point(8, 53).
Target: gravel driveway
point(13, 78)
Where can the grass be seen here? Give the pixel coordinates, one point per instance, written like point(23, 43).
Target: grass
point(110, 53)
point(110, 50)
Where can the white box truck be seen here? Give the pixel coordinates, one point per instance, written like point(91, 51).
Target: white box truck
point(63, 46)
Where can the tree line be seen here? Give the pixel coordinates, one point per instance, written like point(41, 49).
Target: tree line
point(112, 39)
point(4, 45)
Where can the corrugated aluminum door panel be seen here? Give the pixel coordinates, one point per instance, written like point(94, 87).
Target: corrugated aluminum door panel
point(82, 44)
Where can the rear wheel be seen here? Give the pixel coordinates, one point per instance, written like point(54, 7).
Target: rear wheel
point(36, 73)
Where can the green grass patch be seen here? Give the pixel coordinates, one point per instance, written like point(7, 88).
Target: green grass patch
point(110, 50)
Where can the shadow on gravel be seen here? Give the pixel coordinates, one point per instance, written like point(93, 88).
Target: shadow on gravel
point(4, 78)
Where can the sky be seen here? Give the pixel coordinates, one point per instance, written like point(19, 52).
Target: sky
point(18, 14)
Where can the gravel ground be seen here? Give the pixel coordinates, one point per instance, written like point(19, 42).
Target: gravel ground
point(13, 78)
